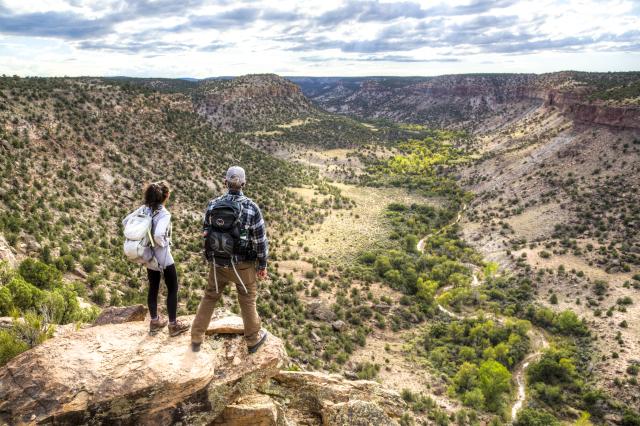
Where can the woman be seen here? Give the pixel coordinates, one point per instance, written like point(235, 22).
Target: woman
point(155, 198)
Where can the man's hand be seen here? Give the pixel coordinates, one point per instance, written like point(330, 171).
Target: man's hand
point(262, 274)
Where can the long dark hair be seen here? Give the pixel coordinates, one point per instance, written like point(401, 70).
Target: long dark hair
point(155, 194)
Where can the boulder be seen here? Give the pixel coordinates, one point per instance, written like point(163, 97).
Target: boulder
point(254, 409)
point(120, 314)
point(320, 311)
point(6, 323)
point(382, 308)
point(309, 396)
point(231, 324)
point(315, 337)
point(339, 325)
point(119, 374)
point(30, 245)
point(356, 413)
point(6, 254)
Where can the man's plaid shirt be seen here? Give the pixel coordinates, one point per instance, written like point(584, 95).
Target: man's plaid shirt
point(250, 219)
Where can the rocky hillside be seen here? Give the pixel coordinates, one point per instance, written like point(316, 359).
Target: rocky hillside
point(74, 156)
point(118, 374)
point(468, 100)
point(252, 102)
point(556, 200)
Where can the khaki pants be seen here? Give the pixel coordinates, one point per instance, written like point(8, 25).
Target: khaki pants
point(250, 318)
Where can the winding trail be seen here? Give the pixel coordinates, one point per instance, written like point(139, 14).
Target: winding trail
point(423, 241)
point(537, 338)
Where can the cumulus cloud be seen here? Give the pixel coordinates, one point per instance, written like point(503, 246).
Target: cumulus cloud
point(357, 31)
point(370, 11)
point(63, 25)
point(136, 47)
point(383, 58)
point(472, 8)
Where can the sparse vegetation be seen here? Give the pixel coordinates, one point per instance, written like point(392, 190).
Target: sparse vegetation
point(76, 151)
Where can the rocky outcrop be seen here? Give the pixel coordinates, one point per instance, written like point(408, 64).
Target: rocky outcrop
point(230, 324)
point(321, 312)
point(318, 398)
point(581, 110)
point(6, 254)
point(119, 374)
point(120, 314)
point(255, 409)
point(356, 413)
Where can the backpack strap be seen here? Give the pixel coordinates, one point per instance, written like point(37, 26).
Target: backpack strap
point(153, 243)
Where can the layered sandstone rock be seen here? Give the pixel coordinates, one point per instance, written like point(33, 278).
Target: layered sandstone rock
point(120, 314)
point(319, 398)
point(119, 374)
point(230, 324)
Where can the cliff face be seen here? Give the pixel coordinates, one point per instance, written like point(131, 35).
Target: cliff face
point(465, 100)
point(595, 112)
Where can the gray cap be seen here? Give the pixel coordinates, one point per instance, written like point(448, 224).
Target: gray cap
point(235, 174)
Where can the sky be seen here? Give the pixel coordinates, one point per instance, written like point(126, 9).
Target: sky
point(198, 38)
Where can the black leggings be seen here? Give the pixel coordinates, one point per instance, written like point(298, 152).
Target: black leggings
point(171, 280)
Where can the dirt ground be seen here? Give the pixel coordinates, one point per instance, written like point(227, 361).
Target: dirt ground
point(346, 233)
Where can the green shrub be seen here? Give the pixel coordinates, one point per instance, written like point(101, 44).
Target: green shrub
point(473, 398)
point(630, 418)
point(99, 296)
point(382, 265)
point(10, 346)
point(466, 378)
point(367, 371)
point(43, 276)
point(533, 417)
point(89, 264)
point(25, 296)
point(554, 367)
point(33, 330)
point(61, 305)
point(368, 258)
point(544, 254)
point(600, 287)
point(407, 395)
point(6, 301)
point(494, 380)
point(567, 322)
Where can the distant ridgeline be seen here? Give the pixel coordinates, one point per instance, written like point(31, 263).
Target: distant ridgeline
point(465, 100)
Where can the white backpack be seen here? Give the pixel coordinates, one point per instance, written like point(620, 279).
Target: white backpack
point(138, 241)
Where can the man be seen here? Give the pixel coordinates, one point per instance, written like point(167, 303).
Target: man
point(235, 240)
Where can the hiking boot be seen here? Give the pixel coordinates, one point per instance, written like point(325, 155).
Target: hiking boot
point(157, 324)
point(263, 336)
point(178, 327)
